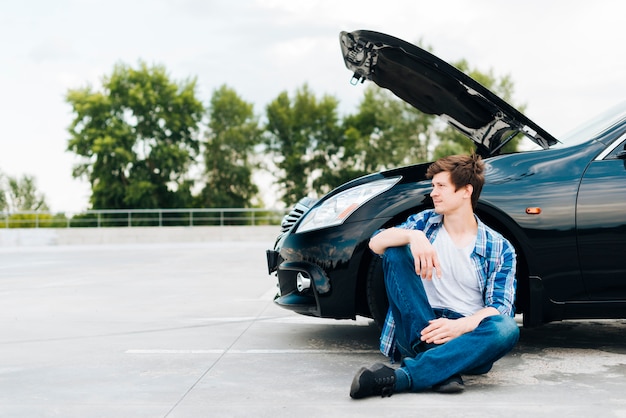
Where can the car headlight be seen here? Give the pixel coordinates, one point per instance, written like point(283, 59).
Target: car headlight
point(335, 210)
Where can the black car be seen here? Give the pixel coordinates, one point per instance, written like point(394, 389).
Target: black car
point(563, 206)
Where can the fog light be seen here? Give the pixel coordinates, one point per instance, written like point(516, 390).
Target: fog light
point(302, 282)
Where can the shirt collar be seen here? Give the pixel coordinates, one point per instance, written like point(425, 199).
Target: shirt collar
point(481, 238)
point(480, 248)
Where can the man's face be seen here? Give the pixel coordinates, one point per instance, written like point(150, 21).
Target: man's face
point(445, 197)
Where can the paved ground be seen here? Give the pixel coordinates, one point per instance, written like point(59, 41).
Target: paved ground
point(189, 330)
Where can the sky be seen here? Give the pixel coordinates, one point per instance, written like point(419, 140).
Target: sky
point(565, 58)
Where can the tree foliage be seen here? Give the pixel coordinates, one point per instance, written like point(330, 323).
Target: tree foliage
point(21, 194)
point(230, 141)
point(3, 196)
point(387, 132)
point(316, 151)
point(302, 134)
point(137, 137)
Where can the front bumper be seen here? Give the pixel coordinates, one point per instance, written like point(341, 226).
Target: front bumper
point(318, 270)
point(300, 284)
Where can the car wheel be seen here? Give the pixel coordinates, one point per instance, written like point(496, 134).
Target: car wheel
point(376, 293)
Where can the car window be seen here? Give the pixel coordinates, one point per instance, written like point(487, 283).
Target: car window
point(617, 150)
point(594, 127)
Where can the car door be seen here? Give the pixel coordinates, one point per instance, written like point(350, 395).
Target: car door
point(601, 224)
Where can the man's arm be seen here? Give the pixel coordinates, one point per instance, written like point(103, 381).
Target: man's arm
point(392, 237)
point(423, 252)
point(442, 330)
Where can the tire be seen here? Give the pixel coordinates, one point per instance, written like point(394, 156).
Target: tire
point(376, 293)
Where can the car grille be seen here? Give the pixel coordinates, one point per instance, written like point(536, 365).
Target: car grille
point(290, 219)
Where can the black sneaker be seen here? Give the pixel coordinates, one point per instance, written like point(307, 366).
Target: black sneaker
point(377, 380)
point(453, 384)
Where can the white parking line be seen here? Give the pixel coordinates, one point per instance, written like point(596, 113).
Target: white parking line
point(292, 319)
point(252, 351)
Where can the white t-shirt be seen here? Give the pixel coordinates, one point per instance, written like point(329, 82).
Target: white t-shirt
point(458, 288)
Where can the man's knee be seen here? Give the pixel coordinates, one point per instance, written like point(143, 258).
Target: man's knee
point(396, 254)
point(505, 329)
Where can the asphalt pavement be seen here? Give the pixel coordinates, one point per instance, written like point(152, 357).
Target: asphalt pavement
point(190, 330)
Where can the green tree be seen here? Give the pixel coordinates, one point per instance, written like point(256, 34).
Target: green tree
point(3, 196)
point(137, 137)
point(451, 147)
point(302, 134)
point(21, 195)
point(386, 132)
point(230, 141)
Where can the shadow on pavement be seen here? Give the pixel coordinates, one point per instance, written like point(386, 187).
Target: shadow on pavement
point(605, 335)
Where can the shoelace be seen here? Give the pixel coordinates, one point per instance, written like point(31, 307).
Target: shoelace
point(386, 384)
point(386, 392)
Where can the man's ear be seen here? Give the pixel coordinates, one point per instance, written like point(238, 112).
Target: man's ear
point(469, 190)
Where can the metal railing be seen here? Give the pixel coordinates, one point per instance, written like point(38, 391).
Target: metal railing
point(143, 217)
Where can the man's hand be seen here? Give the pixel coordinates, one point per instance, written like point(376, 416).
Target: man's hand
point(422, 250)
point(426, 260)
point(442, 330)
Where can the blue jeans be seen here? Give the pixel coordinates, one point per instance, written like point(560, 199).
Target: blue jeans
point(429, 364)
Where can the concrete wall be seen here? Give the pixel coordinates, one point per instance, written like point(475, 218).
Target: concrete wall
point(90, 236)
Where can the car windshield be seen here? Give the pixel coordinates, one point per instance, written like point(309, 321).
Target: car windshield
point(594, 127)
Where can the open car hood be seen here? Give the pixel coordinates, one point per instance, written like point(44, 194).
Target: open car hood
point(435, 87)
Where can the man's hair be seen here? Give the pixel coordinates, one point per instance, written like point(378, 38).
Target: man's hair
point(464, 170)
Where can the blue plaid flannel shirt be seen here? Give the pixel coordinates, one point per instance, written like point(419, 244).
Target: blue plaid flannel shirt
point(493, 258)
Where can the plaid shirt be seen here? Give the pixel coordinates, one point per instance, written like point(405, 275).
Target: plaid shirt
point(494, 262)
